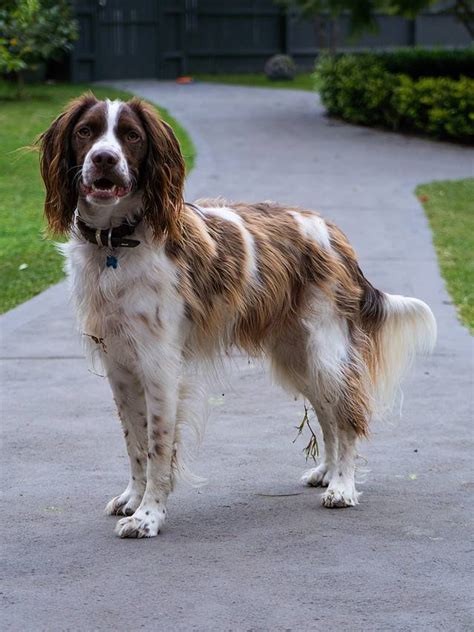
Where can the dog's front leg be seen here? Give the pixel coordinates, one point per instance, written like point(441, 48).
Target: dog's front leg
point(161, 383)
point(129, 397)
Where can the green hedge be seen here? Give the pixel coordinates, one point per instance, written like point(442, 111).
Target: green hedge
point(425, 62)
point(359, 89)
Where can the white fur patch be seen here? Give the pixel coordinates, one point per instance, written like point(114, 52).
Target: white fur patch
point(109, 141)
point(109, 138)
point(313, 228)
point(113, 109)
point(328, 343)
point(229, 215)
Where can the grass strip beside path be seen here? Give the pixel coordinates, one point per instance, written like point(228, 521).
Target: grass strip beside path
point(29, 263)
point(303, 81)
point(449, 206)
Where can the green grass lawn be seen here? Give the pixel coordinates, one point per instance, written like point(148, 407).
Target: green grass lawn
point(450, 209)
point(304, 81)
point(29, 263)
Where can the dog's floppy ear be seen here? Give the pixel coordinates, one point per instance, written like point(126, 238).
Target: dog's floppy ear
point(57, 165)
point(162, 174)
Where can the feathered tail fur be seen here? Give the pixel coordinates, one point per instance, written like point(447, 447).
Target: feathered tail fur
point(406, 328)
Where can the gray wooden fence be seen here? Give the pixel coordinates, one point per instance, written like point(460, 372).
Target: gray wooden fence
point(122, 39)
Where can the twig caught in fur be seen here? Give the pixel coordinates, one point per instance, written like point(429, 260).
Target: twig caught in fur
point(312, 449)
point(98, 341)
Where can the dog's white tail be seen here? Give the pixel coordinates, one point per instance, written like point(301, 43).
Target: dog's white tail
point(408, 328)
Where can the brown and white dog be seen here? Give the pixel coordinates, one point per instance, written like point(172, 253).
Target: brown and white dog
point(159, 284)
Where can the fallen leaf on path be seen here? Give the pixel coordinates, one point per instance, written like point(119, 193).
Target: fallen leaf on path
point(216, 401)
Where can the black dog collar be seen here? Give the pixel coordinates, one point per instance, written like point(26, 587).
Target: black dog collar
point(116, 237)
point(109, 237)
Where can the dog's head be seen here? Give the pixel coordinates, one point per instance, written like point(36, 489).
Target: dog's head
point(112, 159)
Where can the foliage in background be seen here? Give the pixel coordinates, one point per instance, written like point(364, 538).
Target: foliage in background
point(359, 89)
point(449, 206)
point(32, 31)
point(29, 263)
point(426, 62)
point(361, 14)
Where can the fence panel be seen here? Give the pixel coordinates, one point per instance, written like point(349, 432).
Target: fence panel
point(168, 38)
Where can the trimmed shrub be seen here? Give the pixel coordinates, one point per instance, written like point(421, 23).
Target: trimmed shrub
point(356, 89)
point(280, 67)
point(441, 107)
point(360, 89)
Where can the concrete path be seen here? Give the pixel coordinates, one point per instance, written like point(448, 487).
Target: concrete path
point(253, 550)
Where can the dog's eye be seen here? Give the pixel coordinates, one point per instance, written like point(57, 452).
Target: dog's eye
point(83, 132)
point(133, 137)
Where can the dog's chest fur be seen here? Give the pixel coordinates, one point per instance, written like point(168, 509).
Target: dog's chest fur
point(138, 302)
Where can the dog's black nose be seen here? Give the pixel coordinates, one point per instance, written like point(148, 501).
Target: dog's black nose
point(105, 158)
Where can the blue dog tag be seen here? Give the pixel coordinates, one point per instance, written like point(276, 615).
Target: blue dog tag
point(112, 261)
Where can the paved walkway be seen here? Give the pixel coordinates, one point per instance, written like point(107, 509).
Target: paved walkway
point(253, 550)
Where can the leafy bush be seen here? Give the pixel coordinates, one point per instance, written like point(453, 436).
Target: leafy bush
point(426, 62)
point(356, 89)
point(32, 31)
point(280, 67)
point(360, 89)
point(438, 106)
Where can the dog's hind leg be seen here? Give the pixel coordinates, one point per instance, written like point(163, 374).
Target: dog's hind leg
point(338, 466)
point(324, 361)
point(291, 360)
point(341, 491)
point(346, 411)
point(347, 400)
point(295, 382)
point(321, 475)
point(130, 400)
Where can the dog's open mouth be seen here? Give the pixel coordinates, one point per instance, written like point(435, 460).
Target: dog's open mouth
point(105, 189)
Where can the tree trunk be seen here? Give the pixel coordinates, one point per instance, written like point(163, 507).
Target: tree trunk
point(319, 24)
point(333, 36)
point(465, 14)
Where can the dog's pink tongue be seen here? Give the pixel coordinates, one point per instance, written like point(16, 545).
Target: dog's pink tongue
point(121, 191)
point(103, 193)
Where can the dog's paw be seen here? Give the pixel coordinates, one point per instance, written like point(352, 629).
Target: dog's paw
point(145, 523)
point(124, 505)
point(338, 497)
point(317, 476)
